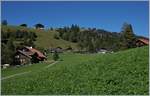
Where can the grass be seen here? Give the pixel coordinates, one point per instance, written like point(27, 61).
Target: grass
point(122, 73)
point(26, 68)
point(15, 70)
point(45, 38)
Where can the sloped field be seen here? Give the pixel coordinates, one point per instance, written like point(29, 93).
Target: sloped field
point(119, 73)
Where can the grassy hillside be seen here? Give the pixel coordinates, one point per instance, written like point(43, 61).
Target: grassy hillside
point(121, 73)
point(45, 38)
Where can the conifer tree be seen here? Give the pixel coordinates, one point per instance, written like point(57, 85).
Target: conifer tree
point(55, 56)
point(128, 35)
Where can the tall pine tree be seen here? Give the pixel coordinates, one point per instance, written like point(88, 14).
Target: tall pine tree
point(128, 35)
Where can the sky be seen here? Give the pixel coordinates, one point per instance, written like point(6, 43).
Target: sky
point(108, 15)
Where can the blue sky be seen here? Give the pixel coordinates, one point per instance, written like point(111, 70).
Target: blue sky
point(109, 15)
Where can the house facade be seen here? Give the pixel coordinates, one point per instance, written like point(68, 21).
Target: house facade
point(22, 58)
point(28, 55)
point(142, 42)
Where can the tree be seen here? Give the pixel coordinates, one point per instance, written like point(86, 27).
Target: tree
point(55, 56)
point(56, 36)
point(51, 29)
point(10, 44)
point(66, 36)
point(90, 47)
point(23, 25)
point(128, 35)
point(74, 33)
point(39, 26)
point(4, 35)
point(8, 51)
point(60, 30)
point(93, 39)
point(97, 44)
point(6, 55)
point(29, 42)
point(80, 45)
point(4, 22)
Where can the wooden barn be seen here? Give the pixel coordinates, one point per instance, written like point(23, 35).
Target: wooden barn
point(28, 55)
point(22, 58)
point(142, 42)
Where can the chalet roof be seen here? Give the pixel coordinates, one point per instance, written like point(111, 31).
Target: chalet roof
point(33, 50)
point(24, 53)
point(145, 41)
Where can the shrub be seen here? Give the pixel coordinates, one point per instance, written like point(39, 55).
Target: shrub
point(56, 36)
point(55, 56)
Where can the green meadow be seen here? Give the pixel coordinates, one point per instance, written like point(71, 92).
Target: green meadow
point(120, 73)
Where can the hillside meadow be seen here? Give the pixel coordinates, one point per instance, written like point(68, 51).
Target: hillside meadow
point(120, 73)
point(45, 38)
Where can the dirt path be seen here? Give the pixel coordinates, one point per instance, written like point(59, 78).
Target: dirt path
point(51, 64)
point(18, 74)
point(7, 77)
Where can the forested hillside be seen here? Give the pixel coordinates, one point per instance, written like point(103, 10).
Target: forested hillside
point(90, 40)
point(15, 37)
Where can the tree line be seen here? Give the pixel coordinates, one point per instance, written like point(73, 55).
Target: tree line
point(38, 25)
point(92, 39)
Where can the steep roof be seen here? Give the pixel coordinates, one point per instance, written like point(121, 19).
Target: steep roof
point(33, 50)
point(24, 53)
point(145, 41)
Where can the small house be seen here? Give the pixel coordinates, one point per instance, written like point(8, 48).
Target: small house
point(142, 42)
point(22, 57)
point(28, 55)
point(57, 49)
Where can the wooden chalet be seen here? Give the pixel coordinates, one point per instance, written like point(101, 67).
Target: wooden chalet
point(28, 55)
point(142, 42)
point(22, 58)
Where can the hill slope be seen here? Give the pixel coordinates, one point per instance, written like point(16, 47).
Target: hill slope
point(121, 73)
point(45, 38)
